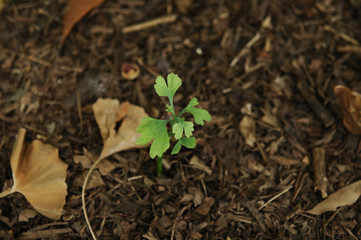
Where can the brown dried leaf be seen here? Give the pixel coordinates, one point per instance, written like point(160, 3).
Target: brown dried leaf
point(39, 175)
point(345, 196)
point(107, 113)
point(75, 11)
point(248, 130)
point(350, 103)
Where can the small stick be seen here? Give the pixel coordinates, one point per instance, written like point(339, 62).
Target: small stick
point(319, 169)
point(173, 231)
point(149, 24)
point(276, 196)
point(349, 48)
point(245, 49)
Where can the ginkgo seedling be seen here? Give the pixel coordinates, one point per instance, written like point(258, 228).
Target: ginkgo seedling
point(175, 128)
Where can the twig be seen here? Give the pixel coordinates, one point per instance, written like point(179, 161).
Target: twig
point(245, 49)
point(319, 169)
point(349, 232)
point(276, 196)
point(149, 24)
point(173, 231)
point(349, 48)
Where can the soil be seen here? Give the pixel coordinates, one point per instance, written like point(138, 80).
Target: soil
point(275, 62)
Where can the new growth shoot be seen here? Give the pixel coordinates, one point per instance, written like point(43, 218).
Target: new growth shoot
point(176, 128)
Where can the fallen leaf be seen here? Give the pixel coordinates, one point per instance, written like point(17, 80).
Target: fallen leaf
point(248, 130)
point(345, 196)
point(206, 205)
point(39, 175)
point(75, 11)
point(108, 112)
point(350, 103)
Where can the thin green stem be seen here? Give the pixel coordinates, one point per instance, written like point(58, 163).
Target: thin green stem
point(159, 165)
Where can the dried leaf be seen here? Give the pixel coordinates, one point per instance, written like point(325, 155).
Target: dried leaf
point(248, 130)
point(345, 196)
point(350, 103)
point(107, 113)
point(39, 175)
point(75, 11)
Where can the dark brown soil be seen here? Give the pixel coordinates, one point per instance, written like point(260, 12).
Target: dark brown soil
point(282, 58)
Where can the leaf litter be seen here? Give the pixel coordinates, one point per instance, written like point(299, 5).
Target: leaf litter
point(39, 175)
point(272, 47)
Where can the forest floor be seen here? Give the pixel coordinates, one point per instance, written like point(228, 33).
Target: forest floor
point(269, 64)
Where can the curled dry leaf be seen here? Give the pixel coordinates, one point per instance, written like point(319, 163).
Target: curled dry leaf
point(248, 130)
point(345, 196)
point(76, 10)
point(107, 113)
point(350, 103)
point(39, 175)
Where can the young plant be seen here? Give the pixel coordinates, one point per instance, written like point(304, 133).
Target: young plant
point(175, 128)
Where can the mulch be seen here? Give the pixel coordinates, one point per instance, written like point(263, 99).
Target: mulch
point(275, 61)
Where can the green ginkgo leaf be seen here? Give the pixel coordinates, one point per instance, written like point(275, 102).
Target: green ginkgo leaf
point(156, 130)
point(188, 142)
point(181, 126)
point(199, 115)
point(164, 90)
